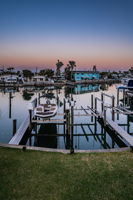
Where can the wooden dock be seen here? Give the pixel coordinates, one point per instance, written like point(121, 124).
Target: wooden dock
point(67, 121)
point(121, 132)
point(16, 139)
point(115, 127)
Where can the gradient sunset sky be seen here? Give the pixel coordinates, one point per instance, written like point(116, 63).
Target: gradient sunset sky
point(91, 32)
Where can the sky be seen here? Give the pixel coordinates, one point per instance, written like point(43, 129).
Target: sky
point(36, 33)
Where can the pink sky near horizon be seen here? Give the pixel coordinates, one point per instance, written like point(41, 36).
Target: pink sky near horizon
point(105, 53)
point(107, 61)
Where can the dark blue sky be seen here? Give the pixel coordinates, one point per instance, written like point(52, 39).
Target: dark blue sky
point(38, 32)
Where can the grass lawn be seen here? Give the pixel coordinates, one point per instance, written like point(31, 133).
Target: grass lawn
point(33, 175)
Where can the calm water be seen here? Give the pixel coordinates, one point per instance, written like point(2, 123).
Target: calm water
point(14, 105)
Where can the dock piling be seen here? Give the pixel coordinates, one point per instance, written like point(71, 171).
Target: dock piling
point(102, 104)
point(113, 104)
point(14, 126)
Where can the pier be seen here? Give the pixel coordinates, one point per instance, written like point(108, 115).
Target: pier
point(97, 113)
point(21, 132)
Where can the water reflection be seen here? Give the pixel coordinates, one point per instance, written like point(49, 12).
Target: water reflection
point(84, 136)
point(27, 95)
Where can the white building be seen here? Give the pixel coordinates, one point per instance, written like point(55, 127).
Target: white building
point(41, 79)
point(11, 78)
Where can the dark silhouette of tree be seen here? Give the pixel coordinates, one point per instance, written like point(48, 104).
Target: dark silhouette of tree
point(94, 68)
point(2, 71)
point(46, 72)
point(27, 73)
point(71, 65)
point(131, 70)
point(27, 96)
point(69, 69)
point(59, 64)
point(67, 73)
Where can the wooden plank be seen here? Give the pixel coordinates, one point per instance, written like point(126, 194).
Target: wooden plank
point(128, 138)
point(123, 110)
point(76, 115)
point(62, 135)
point(96, 114)
point(48, 120)
point(20, 132)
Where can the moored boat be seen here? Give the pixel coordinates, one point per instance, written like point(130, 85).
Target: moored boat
point(47, 110)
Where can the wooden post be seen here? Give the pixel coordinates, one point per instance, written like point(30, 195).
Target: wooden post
point(104, 116)
point(124, 97)
point(72, 128)
point(35, 102)
point(72, 119)
point(117, 96)
point(128, 124)
point(102, 104)
point(64, 109)
point(67, 122)
point(92, 101)
point(113, 104)
point(67, 129)
point(128, 100)
point(64, 106)
point(92, 106)
point(95, 104)
point(10, 105)
point(38, 98)
point(14, 126)
point(30, 119)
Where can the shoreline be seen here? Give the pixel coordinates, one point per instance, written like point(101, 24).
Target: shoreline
point(63, 83)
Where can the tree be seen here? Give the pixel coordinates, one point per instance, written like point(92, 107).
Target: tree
point(67, 73)
point(2, 71)
point(69, 69)
point(94, 68)
point(59, 64)
point(131, 70)
point(27, 73)
point(46, 72)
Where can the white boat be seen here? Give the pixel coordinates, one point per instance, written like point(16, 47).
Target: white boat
point(127, 86)
point(47, 110)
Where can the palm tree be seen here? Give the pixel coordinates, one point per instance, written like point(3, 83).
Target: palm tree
point(59, 64)
point(70, 67)
point(94, 68)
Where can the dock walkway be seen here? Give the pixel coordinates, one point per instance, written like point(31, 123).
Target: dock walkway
point(120, 131)
point(16, 139)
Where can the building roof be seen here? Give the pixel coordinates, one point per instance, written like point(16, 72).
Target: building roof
point(92, 72)
point(38, 76)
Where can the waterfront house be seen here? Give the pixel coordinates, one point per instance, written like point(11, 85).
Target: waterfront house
point(41, 79)
point(11, 78)
point(85, 75)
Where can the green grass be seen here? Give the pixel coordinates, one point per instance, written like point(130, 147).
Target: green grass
point(36, 175)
